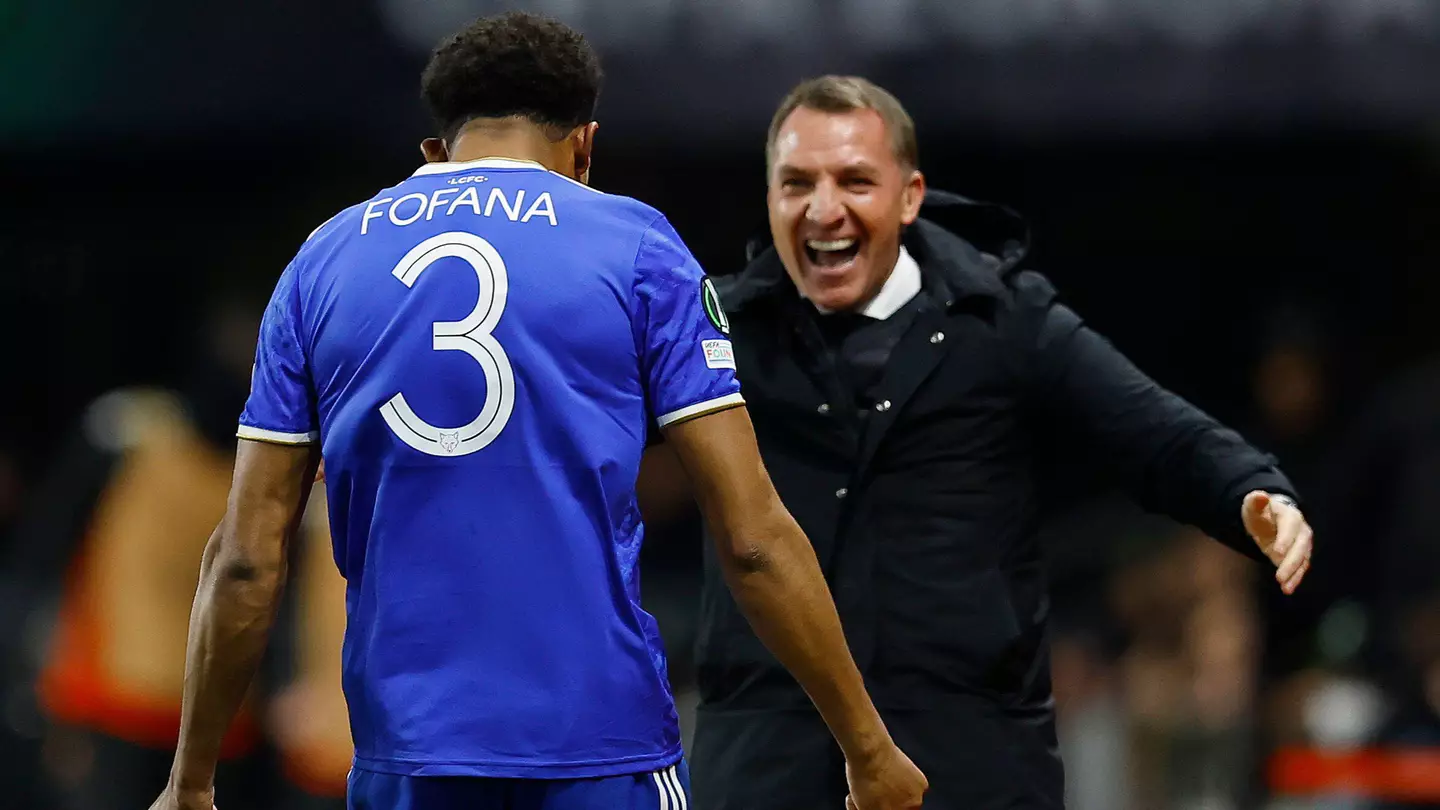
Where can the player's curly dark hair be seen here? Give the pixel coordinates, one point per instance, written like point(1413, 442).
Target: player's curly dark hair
point(513, 64)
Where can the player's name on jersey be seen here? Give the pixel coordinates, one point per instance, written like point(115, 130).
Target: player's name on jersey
point(447, 202)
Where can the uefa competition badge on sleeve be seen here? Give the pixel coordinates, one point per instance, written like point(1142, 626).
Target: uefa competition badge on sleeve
point(713, 310)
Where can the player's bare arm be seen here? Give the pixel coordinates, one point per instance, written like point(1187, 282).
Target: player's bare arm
point(242, 574)
point(771, 568)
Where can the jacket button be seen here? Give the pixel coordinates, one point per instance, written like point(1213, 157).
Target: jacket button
point(841, 492)
point(937, 337)
point(824, 408)
point(882, 406)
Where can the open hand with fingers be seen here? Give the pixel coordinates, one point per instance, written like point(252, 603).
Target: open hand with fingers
point(1280, 530)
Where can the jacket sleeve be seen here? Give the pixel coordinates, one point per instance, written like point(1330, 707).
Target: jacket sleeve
point(1172, 457)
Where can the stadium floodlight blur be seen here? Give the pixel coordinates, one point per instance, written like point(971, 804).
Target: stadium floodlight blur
point(1035, 66)
point(866, 27)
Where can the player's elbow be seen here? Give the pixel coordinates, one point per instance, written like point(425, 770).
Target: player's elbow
point(748, 543)
point(251, 572)
point(746, 556)
point(248, 572)
point(250, 587)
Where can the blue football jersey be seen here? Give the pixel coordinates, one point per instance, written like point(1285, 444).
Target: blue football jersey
point(479, 351)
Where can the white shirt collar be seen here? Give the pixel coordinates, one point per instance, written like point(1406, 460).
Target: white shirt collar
point(902, 285)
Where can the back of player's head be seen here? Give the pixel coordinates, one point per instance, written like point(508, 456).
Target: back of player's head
point(513, 65)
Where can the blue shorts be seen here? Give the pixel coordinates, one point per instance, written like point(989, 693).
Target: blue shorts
point(668, 789)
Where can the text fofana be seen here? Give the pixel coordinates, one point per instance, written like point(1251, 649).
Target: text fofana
point(413, 208)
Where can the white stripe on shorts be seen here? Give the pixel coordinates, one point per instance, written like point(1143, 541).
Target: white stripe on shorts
point(663, 788)
point(681, 802)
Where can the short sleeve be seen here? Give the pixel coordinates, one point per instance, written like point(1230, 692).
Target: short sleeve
point(281, 407)
point(686, 358)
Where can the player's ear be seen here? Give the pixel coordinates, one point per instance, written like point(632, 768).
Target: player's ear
point(583, 140)
point(434, 150)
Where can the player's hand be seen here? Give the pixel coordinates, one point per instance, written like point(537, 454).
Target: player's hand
point(1280, 530)
point(173, 799)
point(888, 781)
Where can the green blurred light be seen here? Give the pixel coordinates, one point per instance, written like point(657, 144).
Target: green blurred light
point(54, 61)
point(1342, 632)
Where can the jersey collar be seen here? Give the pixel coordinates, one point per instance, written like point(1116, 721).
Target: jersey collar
point(482, 163)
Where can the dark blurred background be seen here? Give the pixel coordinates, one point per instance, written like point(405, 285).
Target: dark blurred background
point(1241, 194)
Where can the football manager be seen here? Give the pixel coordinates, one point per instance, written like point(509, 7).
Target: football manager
point(906, 389)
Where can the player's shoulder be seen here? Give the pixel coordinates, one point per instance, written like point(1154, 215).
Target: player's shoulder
point(336, 223)
point(629, 211)
point(649, 224)
point(648, 227)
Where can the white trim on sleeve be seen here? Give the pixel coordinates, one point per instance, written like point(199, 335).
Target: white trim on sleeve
point(700, 409)
point(275, 436)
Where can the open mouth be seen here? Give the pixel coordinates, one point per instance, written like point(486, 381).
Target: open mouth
point(831, 253)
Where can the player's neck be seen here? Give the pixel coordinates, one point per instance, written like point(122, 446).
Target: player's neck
point(511, 142)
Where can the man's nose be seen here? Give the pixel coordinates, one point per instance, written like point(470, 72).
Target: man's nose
point(825, 207)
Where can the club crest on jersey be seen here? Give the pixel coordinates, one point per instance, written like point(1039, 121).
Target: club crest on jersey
point(450, 441)
point(713, 310)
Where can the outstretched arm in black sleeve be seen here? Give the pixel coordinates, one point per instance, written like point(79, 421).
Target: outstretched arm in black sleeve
point(1173, 458)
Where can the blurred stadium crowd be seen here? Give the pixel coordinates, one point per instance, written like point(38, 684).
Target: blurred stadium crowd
point(1279, 271)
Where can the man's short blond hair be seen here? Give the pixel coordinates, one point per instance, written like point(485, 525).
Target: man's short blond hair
point(843, 94)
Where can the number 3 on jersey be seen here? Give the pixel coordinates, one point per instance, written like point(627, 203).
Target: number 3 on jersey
point(472, 336)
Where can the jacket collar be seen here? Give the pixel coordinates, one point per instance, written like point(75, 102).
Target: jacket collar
point(964, 249)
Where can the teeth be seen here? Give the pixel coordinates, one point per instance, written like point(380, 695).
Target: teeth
point(833, 244)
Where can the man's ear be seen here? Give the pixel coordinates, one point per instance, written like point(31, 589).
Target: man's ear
point(914, 197)
point(434, 150)
point(584, 144)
